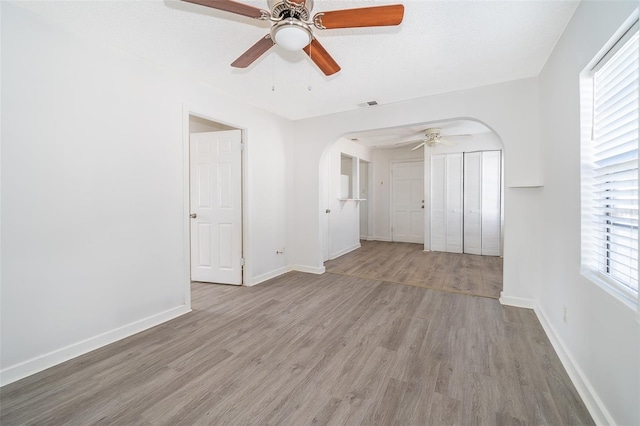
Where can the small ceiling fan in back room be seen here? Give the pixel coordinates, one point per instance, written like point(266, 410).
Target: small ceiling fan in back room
point(292, 26)
point(432, 137)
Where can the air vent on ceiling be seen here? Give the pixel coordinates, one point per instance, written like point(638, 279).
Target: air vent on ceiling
point(368, 104)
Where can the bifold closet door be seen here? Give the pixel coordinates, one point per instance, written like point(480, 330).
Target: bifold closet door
point(482, 202)
point(473, 203)
point(491, 203)
point(446, 202)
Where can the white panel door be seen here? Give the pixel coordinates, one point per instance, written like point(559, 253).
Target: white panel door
point(473, 203)
point(216, 207)
point(491, 203)
point(454, 202)
point(407, 204)
point(438, 202)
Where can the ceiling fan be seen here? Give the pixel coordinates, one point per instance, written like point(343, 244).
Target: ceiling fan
point(292, 26)
point(432, 137)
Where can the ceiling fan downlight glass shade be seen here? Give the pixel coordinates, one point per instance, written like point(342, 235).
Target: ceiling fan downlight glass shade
point(291, 34)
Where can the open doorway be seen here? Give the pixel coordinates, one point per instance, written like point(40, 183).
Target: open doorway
point(365, 199)
point(384, 253)
point(215, 202)
point(344, 169)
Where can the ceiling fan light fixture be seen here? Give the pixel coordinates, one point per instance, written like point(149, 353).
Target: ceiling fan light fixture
point(291, 34)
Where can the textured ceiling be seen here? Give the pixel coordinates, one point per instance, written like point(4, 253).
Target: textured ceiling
point(441, 46)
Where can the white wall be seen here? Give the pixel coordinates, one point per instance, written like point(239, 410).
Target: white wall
point(510, 109)
point(601, 336)
point(93, 192)
point(344, 219)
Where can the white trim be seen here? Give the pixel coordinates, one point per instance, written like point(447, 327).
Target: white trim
point(308, 269)
point(186, 234)
point(518, 302)
point(592, 401)
point(611, 287)
point(199, 111)
point(269, 275)
point(374, 238)
point(58, 356)
point(345, 251)
point(246, 236)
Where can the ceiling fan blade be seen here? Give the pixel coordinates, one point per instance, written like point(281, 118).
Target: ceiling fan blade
point(464, 135)
point(409, 142)
point(233, 7)
point(254, 52)
point(321, 57)
point(444, 141)
point(377, 16)
point(418, 146)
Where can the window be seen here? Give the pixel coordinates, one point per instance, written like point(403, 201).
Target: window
point(610, 169)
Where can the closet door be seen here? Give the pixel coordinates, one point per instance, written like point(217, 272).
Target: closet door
point(438, 203)
point(446, 203)
point(482, 203)
point(473, 203)
point(491, 203)
point(454, 203)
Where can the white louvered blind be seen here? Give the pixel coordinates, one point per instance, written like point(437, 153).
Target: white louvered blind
point(615, 154)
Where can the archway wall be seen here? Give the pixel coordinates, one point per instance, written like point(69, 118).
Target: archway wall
point(509, 109)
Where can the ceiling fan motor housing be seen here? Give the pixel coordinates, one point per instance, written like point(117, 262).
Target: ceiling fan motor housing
point(300, 9)
point(433, 132)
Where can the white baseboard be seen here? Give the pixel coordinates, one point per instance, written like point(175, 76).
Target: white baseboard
point(594, 404)
point(592, 401)
point(385, 239)
point(42, 362)
point(269, 275)
point(281, 271)
point(308, 269)
point(518, 302)
point(345, 251)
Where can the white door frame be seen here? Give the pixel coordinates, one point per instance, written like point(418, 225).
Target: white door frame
point(205, 113)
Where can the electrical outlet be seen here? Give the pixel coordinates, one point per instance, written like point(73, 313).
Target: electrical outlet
point(564, 314)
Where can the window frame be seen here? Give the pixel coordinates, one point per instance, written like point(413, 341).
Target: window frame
point(587, 173)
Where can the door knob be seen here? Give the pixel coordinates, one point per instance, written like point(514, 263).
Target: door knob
point(193, 215)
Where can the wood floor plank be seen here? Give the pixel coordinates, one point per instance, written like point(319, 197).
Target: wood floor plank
point(315, 349)
point(408, 264)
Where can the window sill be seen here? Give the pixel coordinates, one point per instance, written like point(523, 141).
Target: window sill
point(629, 300)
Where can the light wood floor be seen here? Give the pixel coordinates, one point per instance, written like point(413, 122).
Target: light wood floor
point(314, 349)
point(407, 263)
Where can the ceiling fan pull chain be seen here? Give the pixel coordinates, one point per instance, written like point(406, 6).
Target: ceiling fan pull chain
point(273, 73)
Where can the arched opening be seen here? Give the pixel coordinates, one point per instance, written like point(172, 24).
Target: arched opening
point(397, 179)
